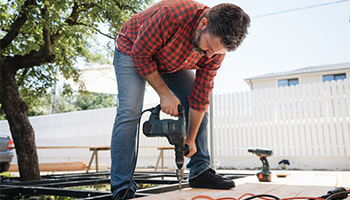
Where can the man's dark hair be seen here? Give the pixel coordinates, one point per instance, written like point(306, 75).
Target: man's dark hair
point(228, 22)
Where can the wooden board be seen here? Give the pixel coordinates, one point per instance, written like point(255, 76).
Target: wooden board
point(58, 166)
point(297, 184)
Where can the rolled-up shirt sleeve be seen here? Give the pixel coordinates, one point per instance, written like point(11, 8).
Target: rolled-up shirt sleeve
point(200, 96)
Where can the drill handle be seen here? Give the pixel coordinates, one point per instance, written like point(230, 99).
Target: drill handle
point(264, 162)
point(181, 110)
point(156, 110)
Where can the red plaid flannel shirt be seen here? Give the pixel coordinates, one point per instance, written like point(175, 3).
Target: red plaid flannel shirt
point(160, 38)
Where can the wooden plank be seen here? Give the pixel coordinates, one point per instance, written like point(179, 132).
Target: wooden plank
point(273, 111)
point(254, 119)
point(318, 111)
point(166, 148)
point(264, 119)
point(325, 114)
point(258, 117)
point(313, 131)
point(284, 122)
point(250, 185)
point(229, 125)
point(302, 136)
point(245, 185)
point(308, 139)
point(296, 187)
point(343, 180)
point(245, 103)
point(331, 124)
point(299, 184)
point(279, 123)
point(100, 148)
point(226, 143)
point(346, 119)
point(322, 183)
point(338, 128)
point(61, 147)
point(240, 101)
point(58, 166)
point(289, 118)
point(344, 123)
point(318, 118)
point(249, 128)
point(219, 131)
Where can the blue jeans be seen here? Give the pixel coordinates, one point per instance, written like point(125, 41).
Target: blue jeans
point(131, 88)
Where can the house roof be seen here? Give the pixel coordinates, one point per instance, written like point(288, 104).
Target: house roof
point(305, 70)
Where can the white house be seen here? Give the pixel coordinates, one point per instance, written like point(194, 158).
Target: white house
point(300, 76)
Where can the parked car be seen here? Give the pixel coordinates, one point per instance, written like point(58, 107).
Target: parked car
point(6, 152)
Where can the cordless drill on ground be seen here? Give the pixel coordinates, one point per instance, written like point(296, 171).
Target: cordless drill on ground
point(173, 130)
point(262, 153)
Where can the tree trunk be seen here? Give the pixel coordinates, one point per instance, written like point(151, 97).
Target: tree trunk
point(22, 132)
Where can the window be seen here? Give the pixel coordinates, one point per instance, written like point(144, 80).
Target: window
point(288, 82)
point(335, 77)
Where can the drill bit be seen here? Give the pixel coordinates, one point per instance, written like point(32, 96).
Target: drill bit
point(179, 174)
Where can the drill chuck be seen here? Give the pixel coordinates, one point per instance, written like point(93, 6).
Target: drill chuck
point(263, 152)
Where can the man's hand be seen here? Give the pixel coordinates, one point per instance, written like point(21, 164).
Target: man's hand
point(168, 101)
point(169, 105)
point(192, 145)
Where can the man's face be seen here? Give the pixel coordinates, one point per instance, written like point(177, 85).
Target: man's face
point(204, 44)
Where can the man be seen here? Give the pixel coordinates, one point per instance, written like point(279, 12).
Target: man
point(162, 45)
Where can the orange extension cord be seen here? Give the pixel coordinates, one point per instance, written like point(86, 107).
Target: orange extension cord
point(205, 197)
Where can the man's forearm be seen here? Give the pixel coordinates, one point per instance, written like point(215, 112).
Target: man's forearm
point(156, 81)
point(168, 101)
point(194, 121)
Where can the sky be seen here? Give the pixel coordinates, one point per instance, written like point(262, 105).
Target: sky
point(283, 36)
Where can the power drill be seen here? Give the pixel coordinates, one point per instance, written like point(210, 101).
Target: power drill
point(265, 174)
point(173, 130)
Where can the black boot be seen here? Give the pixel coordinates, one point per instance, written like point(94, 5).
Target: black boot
point(209, 179)
point(121, 193)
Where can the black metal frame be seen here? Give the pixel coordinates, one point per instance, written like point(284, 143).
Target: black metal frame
point(57, 185)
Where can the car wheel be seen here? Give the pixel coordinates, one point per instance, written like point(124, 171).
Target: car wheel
point(4, 167)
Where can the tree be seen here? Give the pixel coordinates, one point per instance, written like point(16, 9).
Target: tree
point(40, 38)
point(88, 101)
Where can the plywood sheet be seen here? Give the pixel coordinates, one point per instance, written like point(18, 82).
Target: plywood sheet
point(297, 184)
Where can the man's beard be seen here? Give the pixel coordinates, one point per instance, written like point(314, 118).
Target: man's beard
point(195, 43)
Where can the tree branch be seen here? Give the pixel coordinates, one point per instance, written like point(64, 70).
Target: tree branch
point(34, 58)
point(122, 7)
point(23, 75)
point(98, 30)
point(72, 19)
point(46, 30)
point(17, 24)
point(77, 9)
point(44, 55)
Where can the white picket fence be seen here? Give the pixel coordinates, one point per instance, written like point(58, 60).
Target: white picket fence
point(307, 124)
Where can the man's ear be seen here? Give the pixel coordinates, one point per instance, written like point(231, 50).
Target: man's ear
point(203, 23)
